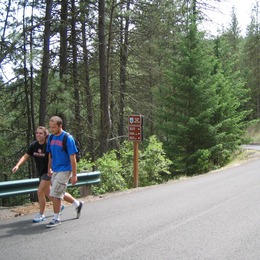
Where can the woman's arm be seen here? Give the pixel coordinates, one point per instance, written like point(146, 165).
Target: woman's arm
point(23, 159)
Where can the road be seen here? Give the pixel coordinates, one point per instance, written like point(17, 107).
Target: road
point(251, 147)
point(212, 216)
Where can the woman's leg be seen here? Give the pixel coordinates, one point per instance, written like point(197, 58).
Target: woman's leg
point(43, 190)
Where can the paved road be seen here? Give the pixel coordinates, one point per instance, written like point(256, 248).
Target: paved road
point(213, 216)
point(251, 147)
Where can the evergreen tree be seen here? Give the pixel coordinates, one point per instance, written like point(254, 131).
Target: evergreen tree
point(252, 61)
point(231, 115)
point(188, 103)
point(200, 111)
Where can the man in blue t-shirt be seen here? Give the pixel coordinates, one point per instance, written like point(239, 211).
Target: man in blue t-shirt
point(62, 167)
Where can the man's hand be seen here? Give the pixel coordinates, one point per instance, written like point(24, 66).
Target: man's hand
point(73, 179)
point(49, 173)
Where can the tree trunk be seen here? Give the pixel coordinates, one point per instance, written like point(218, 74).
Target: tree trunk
point(89, 96)
point(104, 91)
point(77, 120)
point(31, 79)
point(63, 39)
point(31, 172)
point(123, 64)
point(45, 64)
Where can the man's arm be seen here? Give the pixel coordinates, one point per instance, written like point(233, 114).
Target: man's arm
point(49, 165)
point(73, 163)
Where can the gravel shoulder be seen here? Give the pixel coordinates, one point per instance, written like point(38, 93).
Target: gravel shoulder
point(30, 208)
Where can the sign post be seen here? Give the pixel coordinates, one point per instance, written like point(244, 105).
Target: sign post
point(135, 134)
point(136, 164)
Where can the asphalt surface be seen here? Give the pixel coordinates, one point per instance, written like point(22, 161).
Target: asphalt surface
point(212, 216)
point(252, 147)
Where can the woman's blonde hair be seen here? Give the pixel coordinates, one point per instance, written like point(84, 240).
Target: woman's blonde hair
point(45, 130)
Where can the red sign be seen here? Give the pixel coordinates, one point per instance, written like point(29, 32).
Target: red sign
point(135, 120)
point(135, 133)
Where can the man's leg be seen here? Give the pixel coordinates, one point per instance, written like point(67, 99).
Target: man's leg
point(58, 189)
point(77, 204)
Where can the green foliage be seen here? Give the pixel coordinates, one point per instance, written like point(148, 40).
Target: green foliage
point(117, 167)
point(192, 90)
point(186, 105)
point(125, 155)
point(153, 165)
point(9, 144)
point(85, 165)
point(59, 97)
point(200, 114)
point(74, 191)
point(111, 178)
point(15, 200)
point(252, 134)
point(199, 162)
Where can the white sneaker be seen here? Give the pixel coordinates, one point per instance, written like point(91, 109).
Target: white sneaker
point(39, 218)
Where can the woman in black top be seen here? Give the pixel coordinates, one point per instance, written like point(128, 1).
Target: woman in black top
point(37, 150)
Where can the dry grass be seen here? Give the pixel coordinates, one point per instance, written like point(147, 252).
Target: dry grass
point(253, 133)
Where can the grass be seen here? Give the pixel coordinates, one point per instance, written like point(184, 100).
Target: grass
point(253, 134)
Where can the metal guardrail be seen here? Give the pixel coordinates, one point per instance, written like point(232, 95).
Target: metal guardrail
point(27, 186)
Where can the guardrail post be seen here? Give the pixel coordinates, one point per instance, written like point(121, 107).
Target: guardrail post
point(85, 190)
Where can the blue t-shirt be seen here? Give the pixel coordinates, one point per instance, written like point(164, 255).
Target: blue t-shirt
point(61, 158)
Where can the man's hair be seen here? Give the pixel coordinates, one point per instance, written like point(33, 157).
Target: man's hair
point(57, 120)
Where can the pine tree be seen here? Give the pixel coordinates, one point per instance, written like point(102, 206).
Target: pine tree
point(252, 61)
point(200, 112)
point(188, 103)
point(231, 115)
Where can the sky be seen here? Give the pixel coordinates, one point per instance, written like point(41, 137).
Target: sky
point(222, 17)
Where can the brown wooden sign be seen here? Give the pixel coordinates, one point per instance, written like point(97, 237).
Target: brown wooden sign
point(135, 133)
point(135, 120)
point(135, 128)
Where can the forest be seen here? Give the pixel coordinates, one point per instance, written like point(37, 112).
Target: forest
point(94, 63)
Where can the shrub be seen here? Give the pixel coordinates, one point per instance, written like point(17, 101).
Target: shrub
point(111, 178)
point(154, 165)
point(116, 167)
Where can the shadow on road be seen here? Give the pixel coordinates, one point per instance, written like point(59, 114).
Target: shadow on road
point(26, 227)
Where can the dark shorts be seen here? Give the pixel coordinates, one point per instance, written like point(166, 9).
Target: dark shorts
point(45, 177)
